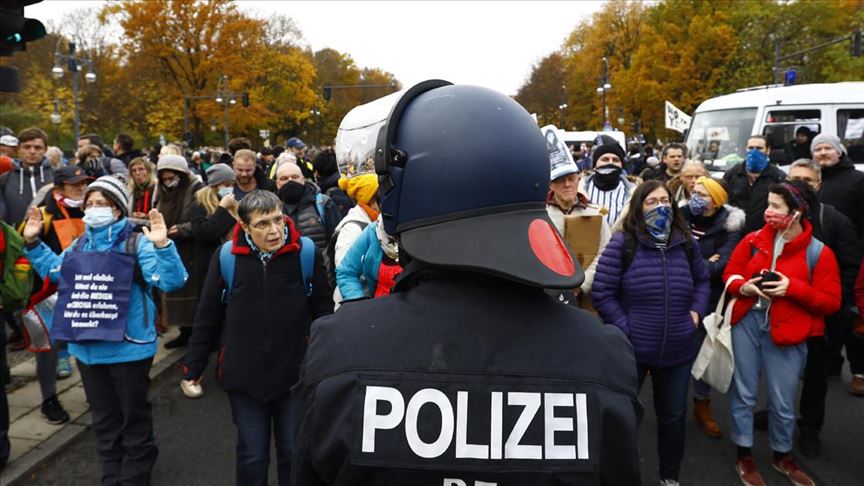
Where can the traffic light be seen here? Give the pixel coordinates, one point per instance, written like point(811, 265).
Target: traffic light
point(245, 98)
point(15, 29)
point(327, 93)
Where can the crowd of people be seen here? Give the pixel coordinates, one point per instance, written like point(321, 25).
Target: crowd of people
point(217, 243)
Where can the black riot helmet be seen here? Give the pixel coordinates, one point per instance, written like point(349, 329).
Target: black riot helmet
point(463, 178)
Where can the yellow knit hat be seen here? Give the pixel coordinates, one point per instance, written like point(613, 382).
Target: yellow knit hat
point(361, 188)
point(718, 195)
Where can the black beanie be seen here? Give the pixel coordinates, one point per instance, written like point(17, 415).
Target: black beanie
point(606, 145)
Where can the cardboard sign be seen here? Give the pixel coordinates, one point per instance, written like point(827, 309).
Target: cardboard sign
point(582, 234)
point(676, 119)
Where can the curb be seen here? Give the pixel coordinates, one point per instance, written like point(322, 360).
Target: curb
point(23, 466)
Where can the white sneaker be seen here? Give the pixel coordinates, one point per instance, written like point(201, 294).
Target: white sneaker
point(191, 389)
point(668, 482)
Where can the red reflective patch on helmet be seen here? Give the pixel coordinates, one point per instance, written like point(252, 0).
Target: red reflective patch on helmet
point(549, 248)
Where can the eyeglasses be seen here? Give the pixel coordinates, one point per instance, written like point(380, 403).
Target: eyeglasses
point(265, 224)
point(653, 201)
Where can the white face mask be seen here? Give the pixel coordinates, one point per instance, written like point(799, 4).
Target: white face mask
point(172, 183)
point(224, 191)
point(99, 217)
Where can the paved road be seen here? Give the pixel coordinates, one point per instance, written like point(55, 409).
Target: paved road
point(196, 442)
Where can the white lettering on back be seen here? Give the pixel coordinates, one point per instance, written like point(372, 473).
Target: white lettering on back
point(373, 421)
point(512, 448)
point(442, 443)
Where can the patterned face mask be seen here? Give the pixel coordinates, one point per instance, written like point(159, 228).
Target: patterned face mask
point(780, 222)
point(658, 222)
point(698, 204)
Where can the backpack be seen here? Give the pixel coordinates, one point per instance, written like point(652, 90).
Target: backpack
point(630, 244)
point(228, 261)
point(331, 249)
point(319, 206)
point(16, 275)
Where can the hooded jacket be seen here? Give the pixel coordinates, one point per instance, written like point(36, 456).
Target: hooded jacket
point(843, 188)
point(811, 295)
point(19, 186)
point(720, 238)
point(752, 199)
point(362, 260)
point(651, 301)
point(263, 328)
point(161, 268)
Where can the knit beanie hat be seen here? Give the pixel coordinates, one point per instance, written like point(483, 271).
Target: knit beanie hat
point(361, 188)
point(113, 189)
point(606, 145)
point(172, 162)
point(219, 173)
point(831, 140)
point(718, 194)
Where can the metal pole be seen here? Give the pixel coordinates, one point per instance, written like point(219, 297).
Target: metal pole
point(77, 124)
point(225, 100)
point(605, 109)
point(776, 60)
point(185, 116)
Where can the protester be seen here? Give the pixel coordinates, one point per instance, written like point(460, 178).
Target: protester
point(106, 158)
point(9, 146)
point(789, 283)
point(460, 311)
point(363, 189)
point(659, 319)
point(249, 176)
point(748, 182)
point(370, 267)
point(673, 157)
point(327, 175)
point(55, 157)
point(142, 186)
point(124, 148)
point(799, 147)
point(174, 195)
point(115, 374)
point(717, 228)
point(18, 187)
point(314, 214)
point(261, 323)
point(682, 185)
point(607, 186)
point(298, 149)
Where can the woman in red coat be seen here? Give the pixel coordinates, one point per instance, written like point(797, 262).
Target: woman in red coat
point(791, 282)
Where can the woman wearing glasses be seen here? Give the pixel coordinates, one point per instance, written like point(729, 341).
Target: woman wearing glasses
point(106, 312)
point(652, 284)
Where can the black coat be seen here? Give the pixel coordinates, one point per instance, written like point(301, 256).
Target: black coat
point(208, 232)
point(263, 329)
point(309, 221)
point(720, 238)
point(752, 199)
point(481, 339)
point(843, 188)
point(834, 229)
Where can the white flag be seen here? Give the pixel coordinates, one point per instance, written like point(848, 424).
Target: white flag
point(676, 119)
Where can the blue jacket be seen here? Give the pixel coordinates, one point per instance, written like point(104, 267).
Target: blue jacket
point(362, 260)
point(160, 268)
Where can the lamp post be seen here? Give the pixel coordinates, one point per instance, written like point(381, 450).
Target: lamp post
point(563, 108)
point(73, 64)
point(602, 89)
point(224, 96)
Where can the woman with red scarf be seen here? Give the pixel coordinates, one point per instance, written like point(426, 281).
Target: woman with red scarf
point(790, 283)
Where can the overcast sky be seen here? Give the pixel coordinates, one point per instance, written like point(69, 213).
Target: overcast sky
point(492, 44)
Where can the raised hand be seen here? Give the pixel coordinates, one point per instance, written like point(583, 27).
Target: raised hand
point(33, 226)
point(157, 233)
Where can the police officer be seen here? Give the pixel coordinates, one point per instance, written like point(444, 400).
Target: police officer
point(468, 374)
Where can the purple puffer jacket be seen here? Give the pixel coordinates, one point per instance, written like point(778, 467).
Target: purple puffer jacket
point(652, 301)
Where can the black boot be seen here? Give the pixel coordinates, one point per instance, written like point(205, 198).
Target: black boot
point(180, 340)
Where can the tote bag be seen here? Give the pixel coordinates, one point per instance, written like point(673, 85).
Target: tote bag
point(715, 362)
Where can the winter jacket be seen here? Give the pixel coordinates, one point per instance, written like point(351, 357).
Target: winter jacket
point(19, 186)
point(160, 268)
point(837, 231)
point(309, 221)
point(651, 301)
point(52, 208)
point(452, 333)
point(752, 199)
point(348, 230)
point(811, 295)
point(127, 157)
point(557, 214)
point(859, 290)
point(720, 238)
point(263, 328)
point(843, 188)
point(209, 231)
point(363, 260)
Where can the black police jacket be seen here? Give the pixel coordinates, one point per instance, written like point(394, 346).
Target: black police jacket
point(461, 379)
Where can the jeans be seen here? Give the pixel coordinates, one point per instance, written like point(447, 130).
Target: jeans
point(755, 352)
point(254, 419)
point(121, 420)
point(670, 404)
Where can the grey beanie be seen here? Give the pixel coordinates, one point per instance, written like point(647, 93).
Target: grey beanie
point(831, 140)
point(113, 189)
point(219, 173)
point(172, 162)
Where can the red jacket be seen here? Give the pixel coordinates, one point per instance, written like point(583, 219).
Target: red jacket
point(800, 313)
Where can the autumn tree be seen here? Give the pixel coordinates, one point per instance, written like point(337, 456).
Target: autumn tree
point(545, 91)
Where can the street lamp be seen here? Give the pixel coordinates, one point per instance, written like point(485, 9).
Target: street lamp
point(224, 96)
point(55, 116)
point(563, 108)
point(73, 64)
point(605, 86)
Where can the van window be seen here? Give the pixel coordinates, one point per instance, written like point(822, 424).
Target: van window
point(792, 131)
point(850, 129)
point(719, 138)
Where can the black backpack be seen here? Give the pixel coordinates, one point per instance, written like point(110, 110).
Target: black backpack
point(331, 250)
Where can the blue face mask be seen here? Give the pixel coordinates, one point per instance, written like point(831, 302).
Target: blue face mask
point(99, 217)
point(224, 191)
point(658, 222)
point(698, 205)
point(756, 161)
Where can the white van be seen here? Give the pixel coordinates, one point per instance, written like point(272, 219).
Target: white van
point(576, 139)
point(720, 128)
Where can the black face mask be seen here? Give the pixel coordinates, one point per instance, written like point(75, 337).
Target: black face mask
point(606, 177)
point(291, 192)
